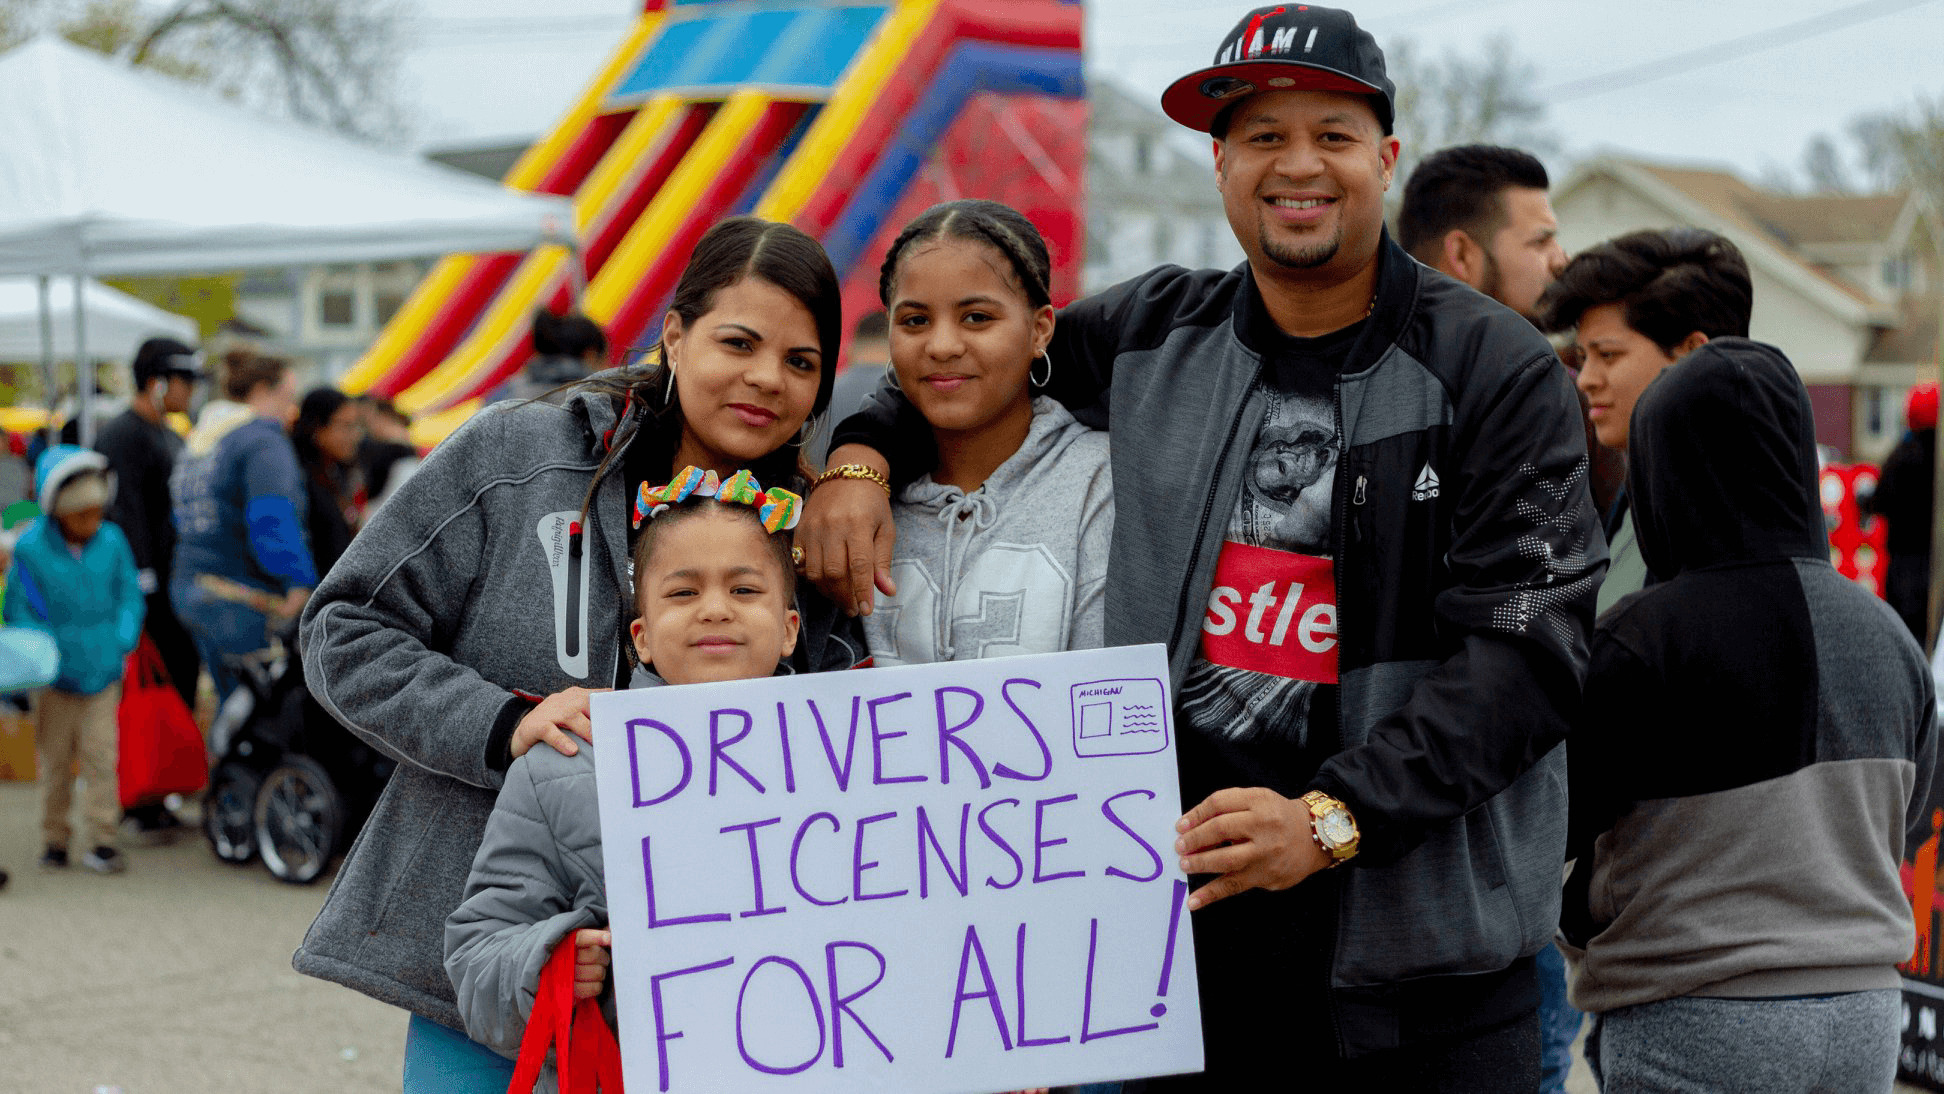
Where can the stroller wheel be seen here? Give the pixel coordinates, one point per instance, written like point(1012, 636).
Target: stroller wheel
point(229, 812)
point(299, 820)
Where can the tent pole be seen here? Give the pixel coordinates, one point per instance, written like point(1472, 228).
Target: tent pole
point(47, 357)
point(84, 378)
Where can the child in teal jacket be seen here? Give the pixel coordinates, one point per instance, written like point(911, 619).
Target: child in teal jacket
point(73, 576)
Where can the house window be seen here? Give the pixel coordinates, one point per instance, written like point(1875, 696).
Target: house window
point(1896, 272)
point(1143, 154)
point(337, 297)
point(1873, 412)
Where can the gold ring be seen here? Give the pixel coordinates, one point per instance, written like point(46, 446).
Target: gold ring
point(796, 557)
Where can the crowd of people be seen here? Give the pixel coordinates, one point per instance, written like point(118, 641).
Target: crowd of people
point(1561, 607)
point(204, 546)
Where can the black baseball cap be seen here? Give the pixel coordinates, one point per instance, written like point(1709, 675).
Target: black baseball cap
point(160, 357)
point(1289, 47)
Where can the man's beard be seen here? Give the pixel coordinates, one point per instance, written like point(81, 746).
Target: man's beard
point(1300, 258)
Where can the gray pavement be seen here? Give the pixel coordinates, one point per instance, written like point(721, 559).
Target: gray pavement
point(173, 977)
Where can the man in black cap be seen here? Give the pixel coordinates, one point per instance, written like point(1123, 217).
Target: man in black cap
point(142, 451)
point(1352, 502)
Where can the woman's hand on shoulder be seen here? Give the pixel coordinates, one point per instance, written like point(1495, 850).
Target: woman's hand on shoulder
point(847, 534)
point(557, 720)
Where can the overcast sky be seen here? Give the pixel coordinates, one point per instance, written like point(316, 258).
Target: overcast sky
point(1743, 83)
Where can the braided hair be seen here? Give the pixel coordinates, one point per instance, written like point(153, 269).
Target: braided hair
point(975, 220)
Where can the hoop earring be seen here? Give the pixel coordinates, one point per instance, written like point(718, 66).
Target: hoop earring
point(668, 396)
point(1034, 368)
point(807, 430)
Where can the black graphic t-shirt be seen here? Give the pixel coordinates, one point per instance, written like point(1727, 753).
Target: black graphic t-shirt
point(1268, 646)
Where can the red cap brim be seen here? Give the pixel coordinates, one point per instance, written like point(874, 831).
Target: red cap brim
point(1187, 101)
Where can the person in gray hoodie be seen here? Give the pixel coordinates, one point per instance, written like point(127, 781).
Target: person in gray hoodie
point(497, 578)
point(991, 560)
point(1753, 759)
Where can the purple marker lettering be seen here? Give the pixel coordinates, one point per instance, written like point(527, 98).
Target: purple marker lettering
point(879, 736)
point(858, 865)
point(756, 865)
point(1041, 843)
point(783, 740)
point(999, 841)
point(948, 735)
point(719, 748)
point(926, 835)
point(634, 761)
point(662, 1034)
point(990, 992)
point(1019, 990)
point(840, 1004)
point(816, 1011)
point(654, 918)
point(1107, 810)
point(839, 771)
point(1086, 1003)
point(1046, 754)
point(1167, 955)
point(796, 846)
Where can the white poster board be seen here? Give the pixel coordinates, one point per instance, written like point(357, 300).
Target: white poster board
point(932, 878)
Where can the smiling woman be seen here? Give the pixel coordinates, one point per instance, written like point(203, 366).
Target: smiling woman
point(432, 637)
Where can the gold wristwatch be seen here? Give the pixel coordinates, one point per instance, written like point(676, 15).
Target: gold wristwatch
point(1333, 827)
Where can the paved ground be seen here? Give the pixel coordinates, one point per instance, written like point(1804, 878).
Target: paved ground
point(173, 977)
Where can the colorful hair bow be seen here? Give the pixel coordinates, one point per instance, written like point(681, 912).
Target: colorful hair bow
point(777, 508)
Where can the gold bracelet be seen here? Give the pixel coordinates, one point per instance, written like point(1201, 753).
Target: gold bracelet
point(854, 471)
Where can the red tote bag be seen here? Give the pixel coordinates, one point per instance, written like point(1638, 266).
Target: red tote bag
point(162, 751)
point(587, 1059)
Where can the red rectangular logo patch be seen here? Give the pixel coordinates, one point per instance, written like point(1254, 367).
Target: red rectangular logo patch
point(1273, 611)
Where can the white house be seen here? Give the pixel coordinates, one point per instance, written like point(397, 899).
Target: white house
point(1149, 201)
point(1847, 286)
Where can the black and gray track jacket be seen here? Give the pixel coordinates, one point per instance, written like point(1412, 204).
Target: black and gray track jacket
point(1467, 556)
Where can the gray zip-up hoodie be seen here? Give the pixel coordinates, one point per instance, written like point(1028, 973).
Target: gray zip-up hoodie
point(1017, 566)
point(475, 586)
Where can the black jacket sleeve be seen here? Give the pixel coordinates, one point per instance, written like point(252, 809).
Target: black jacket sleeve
point(1526, 559)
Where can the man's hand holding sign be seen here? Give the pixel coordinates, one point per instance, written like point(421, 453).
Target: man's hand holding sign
point(951, 877)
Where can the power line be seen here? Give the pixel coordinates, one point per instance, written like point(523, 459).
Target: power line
point(1733, 49)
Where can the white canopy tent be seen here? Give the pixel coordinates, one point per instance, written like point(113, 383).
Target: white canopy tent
point(117, 323)
point(106, 169)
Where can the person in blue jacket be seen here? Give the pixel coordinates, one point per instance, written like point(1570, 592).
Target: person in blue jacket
point(242, 556)
point(73, 576)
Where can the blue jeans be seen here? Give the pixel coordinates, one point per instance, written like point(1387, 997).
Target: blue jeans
point(444, 1061)
point(221, 629)
point(1559, 1023)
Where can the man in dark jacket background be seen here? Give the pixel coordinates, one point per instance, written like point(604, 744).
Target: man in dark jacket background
point(142, 452)
point(1906, 498)
point(1329, 422)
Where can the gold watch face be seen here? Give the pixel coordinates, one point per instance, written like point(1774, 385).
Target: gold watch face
point(1336, 827)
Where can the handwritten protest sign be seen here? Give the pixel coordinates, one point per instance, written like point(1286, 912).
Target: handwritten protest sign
point(954, 877)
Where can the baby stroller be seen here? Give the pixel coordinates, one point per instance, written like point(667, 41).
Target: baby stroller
point(289, 783)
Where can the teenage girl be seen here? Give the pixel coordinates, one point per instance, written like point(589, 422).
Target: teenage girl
point(1002, 549)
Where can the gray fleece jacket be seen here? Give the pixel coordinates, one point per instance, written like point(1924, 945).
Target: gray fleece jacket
point(1017, 566)
point(470, 593)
